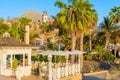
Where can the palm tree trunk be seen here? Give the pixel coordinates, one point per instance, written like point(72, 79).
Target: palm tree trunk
point(81, 41)
point(58, 43)
point(46, 41)
point(115, 48)
point(107, 42)
point(73, 37)
point(90, 41)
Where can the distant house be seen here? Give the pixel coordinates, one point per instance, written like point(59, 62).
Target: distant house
point(38, 16)
point(11, 49)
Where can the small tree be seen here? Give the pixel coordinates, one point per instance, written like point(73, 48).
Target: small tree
point(15, 65)
point(100, 50)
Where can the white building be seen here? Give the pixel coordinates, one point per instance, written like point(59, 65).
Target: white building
point(11, 49)
point(44, 17)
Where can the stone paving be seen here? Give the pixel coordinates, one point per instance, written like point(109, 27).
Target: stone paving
point(32, 77)
point(95, 77)
point(101, 75)
point(6, 78)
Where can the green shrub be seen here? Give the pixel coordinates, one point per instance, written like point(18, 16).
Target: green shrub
point(100, 52)
point(62, 59)
point(41, 58)
point(117, 66)
point(109, 57)
point(15, 65)
point(88, 57)
point(58, 59)
point(45, 58)
point(34, 58)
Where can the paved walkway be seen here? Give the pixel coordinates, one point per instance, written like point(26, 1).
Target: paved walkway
point(6, 78)
point(95, 77)
point(103, 75)
point(32, 77)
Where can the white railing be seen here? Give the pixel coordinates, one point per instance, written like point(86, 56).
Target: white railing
point(23, 71)
point(64, 71)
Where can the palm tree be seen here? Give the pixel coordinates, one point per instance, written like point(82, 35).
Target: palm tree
point(33, 37)
point(76, 18)
point(87, 18)
point(1, 20)
point(92, 24)
point(66, 18)
point(46, 28)
point(69, 20)
point(107, 28)
point(115, 16)
point(3, 28)
point(18, 29)
point(61, 32)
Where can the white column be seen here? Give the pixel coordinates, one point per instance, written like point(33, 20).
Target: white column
point(27, 34)
point(11, 60)
point(49, 67)
point(23, 59)
point(66, 70)
point(79, 64)
point(73, 67)
point(4, 60)
point(14, 56)
point(58, 71)
point(29, 58)
point(0, 68)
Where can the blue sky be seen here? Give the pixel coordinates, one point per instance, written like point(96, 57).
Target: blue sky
point(15, 8)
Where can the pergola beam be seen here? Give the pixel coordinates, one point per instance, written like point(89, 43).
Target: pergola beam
point(61, 53)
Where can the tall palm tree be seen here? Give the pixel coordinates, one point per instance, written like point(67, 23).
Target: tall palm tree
point(46, 28)
point(18, 29)
point(75, 18)
point(3, 28)
point(92, 24)
point(1, 20)
point(86, 18)
point(69, 20)
point(115, 16)
point(66, 18)
point(107, 28)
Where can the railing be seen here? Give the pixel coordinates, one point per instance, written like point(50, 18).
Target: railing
point(64, 71)
point(23, 71)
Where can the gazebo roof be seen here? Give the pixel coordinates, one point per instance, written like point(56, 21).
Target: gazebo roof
point(12, 42)
point(61, 52)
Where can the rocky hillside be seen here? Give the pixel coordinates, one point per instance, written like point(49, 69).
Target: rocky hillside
point(33, 15)
point(94, 66)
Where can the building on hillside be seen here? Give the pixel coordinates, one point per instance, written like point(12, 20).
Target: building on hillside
point(15, 56)
point(8, 23)
point(44, 17)
point(51, 21)
point(38, 16)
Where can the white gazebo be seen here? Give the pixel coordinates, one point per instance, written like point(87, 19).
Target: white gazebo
point(11, 49)
point(56, 73)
